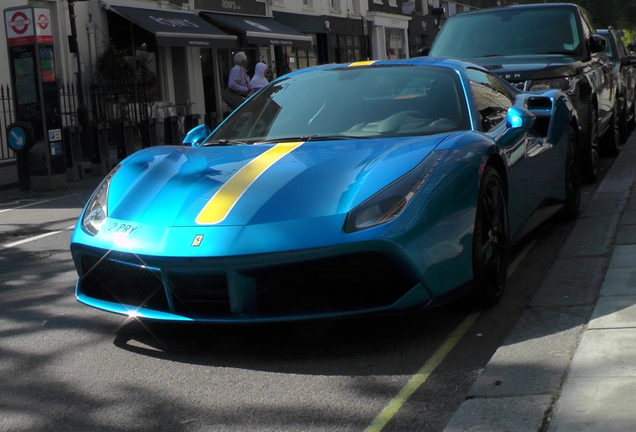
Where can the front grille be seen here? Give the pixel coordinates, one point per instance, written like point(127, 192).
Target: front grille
point(349, 282)
point(519, 85)
point(122, 283)
point(199, 294)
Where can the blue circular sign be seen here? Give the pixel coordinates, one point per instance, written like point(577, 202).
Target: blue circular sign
point(17, 138)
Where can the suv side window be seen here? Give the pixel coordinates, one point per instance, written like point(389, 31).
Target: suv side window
point(492, 97)
point(588, 28)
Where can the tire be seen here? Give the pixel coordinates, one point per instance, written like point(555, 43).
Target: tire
point(572, 178)
point(589, 155)
point(491, 242)
point(623, 124)
point(612, 138)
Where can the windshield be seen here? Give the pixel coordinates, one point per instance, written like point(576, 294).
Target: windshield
point(509, 32)
point(350, 102)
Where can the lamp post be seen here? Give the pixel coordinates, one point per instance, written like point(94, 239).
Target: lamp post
point(82, 109)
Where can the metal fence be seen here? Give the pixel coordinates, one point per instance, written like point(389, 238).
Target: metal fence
point(110, 102)
point(7, 116)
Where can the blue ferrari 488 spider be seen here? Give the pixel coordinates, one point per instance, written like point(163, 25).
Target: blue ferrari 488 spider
point(366, 188)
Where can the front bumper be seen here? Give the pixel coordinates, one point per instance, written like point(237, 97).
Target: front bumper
point(354, 279)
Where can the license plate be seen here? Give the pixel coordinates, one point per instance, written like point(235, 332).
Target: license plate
point(123, 228)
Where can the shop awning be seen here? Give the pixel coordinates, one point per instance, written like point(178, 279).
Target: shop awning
point(259, 30)
point(176, 28)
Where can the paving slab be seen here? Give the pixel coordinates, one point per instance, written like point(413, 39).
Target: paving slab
point(605, 204)
point(534, 357)
point(591, 404)
point(514, 414)
point(571, 281)
point(628, 218)
point(590, 237)
point(624, 256)
point(613, 312)
point(619, 281)
point(625, 234)
point(606, 354)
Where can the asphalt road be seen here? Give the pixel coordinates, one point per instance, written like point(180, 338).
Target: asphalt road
point(67, 367)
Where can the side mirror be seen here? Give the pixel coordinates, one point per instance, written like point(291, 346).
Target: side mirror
point(197, 135)
point(629, 60)
point(518, 118)
point(597, 43)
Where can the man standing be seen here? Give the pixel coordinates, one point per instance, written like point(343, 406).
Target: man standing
point(238, 86)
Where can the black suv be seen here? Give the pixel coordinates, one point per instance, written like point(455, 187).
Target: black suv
point(624, 68)
point(541, 46)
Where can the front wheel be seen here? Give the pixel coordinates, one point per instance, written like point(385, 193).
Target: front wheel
point(490, 242)
point(589, 155)
point(572, 180)
point(611, 139)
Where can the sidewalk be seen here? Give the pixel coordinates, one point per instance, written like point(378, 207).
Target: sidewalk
point(569, 363)
point(579, 330)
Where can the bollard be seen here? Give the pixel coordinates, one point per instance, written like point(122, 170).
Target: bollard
point(171, 133)
point(71, 137)
point(100, 158)
point(148, 130)
point(210, 120)
point(125, 139)
point(190, 121)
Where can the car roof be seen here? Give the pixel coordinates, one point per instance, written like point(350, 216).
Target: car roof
point(447, 62)
point(519, 7)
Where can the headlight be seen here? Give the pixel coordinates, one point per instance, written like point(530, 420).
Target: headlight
point(565, 84)
point(387, 204)
point(97, 208)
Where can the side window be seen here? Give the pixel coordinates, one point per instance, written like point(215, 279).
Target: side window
point(492, 97)
point(588, 27)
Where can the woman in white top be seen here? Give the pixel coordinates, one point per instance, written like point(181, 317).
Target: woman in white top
point(259, 79)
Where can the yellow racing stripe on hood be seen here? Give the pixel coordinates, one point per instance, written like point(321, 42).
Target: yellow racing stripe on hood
point(220, 205)
point(363, 63)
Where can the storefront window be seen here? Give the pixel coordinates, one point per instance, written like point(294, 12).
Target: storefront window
point(303, 57)
point(394, 43)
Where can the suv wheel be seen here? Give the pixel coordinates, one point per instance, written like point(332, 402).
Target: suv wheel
point(611, 139)
point(589, 155)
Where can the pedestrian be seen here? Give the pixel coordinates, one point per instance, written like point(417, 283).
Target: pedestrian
point(238, 85)
point(258, 80)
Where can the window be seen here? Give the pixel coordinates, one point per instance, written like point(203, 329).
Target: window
point(334, 5)
point(309, 4)
point(492, 97)
point(393, 3)
point(355, 7)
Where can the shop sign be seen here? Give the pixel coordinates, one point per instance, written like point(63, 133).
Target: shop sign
point(239, 7)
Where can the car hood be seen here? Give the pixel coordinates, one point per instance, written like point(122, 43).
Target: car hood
point(530, 66)
point(170, 186)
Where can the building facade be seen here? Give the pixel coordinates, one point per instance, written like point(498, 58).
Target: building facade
point(183, 49)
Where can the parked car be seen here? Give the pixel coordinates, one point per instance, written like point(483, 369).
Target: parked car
point(357, 189)
point(624, 69)
point(541, 46)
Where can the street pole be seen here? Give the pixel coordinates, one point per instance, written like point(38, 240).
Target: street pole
point(82, 109)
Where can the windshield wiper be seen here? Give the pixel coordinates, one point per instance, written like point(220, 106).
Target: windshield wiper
point(222, 142)
point(308, 138)
point(565, 52)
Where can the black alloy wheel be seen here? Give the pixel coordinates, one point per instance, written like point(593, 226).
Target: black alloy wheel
point(623, 126)
point(589, 159)
point(490, 242)
point(572, 203)
point(610, 144)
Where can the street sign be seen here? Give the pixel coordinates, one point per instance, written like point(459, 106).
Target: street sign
point(20, 136)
